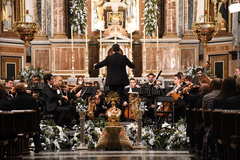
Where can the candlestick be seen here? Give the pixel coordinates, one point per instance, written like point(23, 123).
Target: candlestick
point(144, 39)
point(86, 37)
point(72, 51)
point(72, 37)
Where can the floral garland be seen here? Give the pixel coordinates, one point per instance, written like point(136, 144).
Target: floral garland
point(78, 14)
point(167, 137)
point(30, 72)
point(150, 16)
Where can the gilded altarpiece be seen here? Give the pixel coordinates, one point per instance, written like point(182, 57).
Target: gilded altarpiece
point(11, 11)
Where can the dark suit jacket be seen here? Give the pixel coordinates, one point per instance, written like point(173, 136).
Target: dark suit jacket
point(24, 101)
point(5, 105)
point(116, 69)
point(50, 98)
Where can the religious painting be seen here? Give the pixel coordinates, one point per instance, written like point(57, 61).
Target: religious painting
point(187, 58)
point(218, 11)
point(115, 18)
point(99, 16)
point(7, 14)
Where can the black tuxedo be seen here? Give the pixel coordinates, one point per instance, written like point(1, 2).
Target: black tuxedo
point(116, 69)
point(50, 97)
point(63, 114)
point(24, 101)
point(5, 104)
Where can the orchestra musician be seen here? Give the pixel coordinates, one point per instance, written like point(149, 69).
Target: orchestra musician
point(52, 98)
point(132, 88)
point(176, 94)
point(148, 97)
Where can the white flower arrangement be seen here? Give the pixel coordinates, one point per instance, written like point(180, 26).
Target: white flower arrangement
point(150, 16)
point(30, 72)
point(91, 132)
point(53, 137)
point(168, 137)
point(78, 16)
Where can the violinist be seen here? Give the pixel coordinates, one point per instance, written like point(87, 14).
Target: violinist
point(178, 86)
point(52, 98)
point(176, 94)
point(100, 107)
point(61, 90)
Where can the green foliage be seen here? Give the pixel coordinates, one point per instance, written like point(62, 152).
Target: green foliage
point(78, 16)
point(150, 16)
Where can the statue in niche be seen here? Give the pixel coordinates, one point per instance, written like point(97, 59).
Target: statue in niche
point(223, 14)
point(100, 10)
point(218, 11)
point(7, 13)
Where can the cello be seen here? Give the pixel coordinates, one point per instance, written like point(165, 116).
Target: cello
point(131, 111)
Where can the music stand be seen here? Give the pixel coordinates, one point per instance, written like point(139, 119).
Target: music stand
point(168, 99)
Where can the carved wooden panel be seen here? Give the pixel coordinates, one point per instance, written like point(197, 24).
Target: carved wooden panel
point(187, 58)
point(151, 58)
point(41, 58)
point(64, 57)
point(11, 49)
point(79, 59)
point(93, 58)
point(137, 59)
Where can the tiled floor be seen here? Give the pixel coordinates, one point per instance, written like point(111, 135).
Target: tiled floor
point(111, 155)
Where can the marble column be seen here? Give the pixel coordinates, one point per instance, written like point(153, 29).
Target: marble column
point(180, 18)
point(171, 20)
point(59, 19)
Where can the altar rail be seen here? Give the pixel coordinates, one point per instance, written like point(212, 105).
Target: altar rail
point(214, 133)
point(16, 127)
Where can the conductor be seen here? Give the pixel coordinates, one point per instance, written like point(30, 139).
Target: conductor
point(116, 64)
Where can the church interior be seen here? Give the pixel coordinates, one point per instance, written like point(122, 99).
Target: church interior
point(182, 95)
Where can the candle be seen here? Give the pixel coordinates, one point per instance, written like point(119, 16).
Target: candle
point(144, 39)
point(72, 37)
point(157, 38)
point(72, 51)
point(131, 40)
point(86, 37)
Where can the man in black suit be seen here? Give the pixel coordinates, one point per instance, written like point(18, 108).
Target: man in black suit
point(53, 101)
point(116, 64)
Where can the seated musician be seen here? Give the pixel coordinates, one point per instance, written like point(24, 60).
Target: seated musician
point(5, 103)
point(23, 100)
point(148, 97)
point(100, 107)
point(53, 99)
point(177, 96)
point(132, 88)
